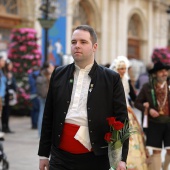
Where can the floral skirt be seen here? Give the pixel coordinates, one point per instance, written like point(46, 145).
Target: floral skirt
point(136, 159)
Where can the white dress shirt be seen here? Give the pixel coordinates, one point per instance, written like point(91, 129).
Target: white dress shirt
point(77, 111)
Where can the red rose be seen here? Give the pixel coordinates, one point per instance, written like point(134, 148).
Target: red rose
point(118, 125)
point(111, 121)
point(107, 137)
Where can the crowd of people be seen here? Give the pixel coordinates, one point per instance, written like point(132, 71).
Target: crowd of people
point(38, 81)
point(8, 90)
point(38, 84)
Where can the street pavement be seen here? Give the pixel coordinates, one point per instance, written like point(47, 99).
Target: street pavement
point(21, 147)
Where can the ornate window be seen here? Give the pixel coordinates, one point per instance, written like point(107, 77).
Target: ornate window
point(80, 15)
point(134, 34)
point(9, 6)
point(134, 27)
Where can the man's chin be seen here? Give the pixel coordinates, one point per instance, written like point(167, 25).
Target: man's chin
point(77, 58)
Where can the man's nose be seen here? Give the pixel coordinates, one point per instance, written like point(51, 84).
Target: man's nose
point(77, 45)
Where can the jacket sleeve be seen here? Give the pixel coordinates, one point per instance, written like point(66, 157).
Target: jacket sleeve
point(120, 111)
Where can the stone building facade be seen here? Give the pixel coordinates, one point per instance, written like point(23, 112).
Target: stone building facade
point(15, 14)
point(131, 28)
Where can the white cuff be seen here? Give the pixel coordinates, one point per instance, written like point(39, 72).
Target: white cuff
point(43, 157)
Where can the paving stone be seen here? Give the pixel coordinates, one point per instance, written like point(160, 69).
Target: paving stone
point(21, 147)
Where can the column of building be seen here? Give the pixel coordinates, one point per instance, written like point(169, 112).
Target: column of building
point(104, 32)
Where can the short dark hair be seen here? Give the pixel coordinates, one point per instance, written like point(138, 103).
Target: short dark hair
point(89, 29)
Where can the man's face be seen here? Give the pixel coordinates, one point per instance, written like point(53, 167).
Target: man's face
point(162, 75)
point(82, 48)
point(2, 62)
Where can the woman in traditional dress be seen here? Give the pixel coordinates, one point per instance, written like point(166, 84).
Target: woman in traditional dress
point(136, 159)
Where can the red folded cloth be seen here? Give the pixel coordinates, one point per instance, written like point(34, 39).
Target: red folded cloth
point(69, 143)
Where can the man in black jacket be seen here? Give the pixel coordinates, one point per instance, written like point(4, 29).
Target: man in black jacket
point(81, 97)
point(156, 94)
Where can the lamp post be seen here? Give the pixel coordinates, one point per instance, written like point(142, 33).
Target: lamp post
point(48, 9)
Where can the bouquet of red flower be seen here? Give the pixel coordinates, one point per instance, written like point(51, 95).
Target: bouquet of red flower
point(119, 132)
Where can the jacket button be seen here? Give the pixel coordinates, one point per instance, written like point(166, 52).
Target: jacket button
point(68, 102)
point(58, 135)
point(89, 120)
point(91, 131)
point(88, 108)
point(61, 123)
point(64, 112)
point(92, 143)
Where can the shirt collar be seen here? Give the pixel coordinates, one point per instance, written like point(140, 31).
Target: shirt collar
point(87, 68)
point(92, 72)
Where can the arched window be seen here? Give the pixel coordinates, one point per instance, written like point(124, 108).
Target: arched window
point(80, 15)
point(134, 36)
point(9, 6)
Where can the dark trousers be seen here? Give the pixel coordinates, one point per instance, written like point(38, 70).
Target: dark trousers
point(5, 117)
point(35, 112)
point(61, 160)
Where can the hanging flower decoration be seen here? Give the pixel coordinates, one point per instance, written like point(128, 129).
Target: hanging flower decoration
point(24, 52)
point(161, 54)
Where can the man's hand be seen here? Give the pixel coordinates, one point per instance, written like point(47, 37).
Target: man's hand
point(44, 164)
point(121, 166)
point(153, 113)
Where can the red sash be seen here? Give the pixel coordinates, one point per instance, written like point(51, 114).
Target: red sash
point(69, 143)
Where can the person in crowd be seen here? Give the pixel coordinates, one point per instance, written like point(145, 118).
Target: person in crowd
point(10, 96)
point(107, 65)
point(136, 157)
point(2, 81)
point(51, 57)
point(42, 85)
point(33, 95)
point(157, 93)
point(3, 57)
point(59, 51)
point(81, 96)
point(143, 77)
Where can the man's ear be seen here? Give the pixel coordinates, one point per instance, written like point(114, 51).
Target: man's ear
point(95, 47)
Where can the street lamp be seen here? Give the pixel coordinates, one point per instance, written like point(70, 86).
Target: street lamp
point(49, 13)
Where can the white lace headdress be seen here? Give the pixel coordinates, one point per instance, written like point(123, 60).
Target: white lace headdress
point(117, 64)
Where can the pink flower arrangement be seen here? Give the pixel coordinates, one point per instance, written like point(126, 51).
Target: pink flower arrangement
point(24, 52)
point(161, 54)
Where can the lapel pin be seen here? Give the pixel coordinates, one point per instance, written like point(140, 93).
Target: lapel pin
point(71, 80)
point(91, 87)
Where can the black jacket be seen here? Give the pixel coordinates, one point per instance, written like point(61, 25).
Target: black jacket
point(105, 100)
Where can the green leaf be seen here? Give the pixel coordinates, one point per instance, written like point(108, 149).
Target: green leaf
point(117, 144)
